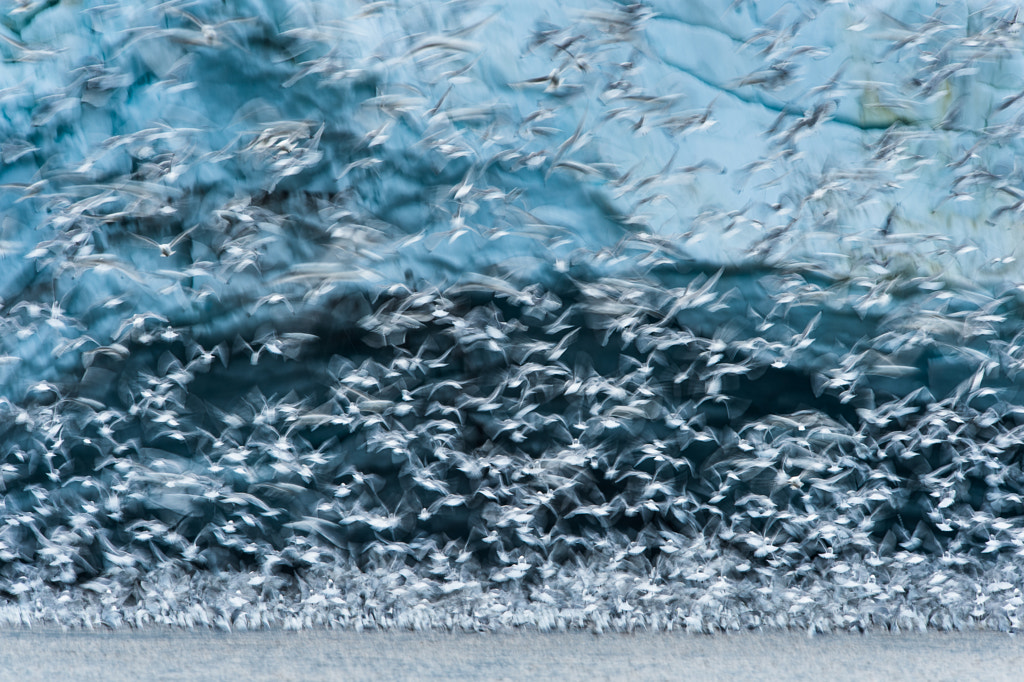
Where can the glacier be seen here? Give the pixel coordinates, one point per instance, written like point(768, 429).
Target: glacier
point(476, 315)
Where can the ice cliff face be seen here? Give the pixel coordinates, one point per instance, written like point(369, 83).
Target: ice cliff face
point(475, 314)
point(319, 148)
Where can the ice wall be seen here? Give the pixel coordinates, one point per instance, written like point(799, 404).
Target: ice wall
point(315, 147)
point(467, 314)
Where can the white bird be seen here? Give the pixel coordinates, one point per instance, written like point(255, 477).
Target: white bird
point(166, 248)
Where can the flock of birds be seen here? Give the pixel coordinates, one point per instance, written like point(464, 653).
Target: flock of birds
point(319, 319)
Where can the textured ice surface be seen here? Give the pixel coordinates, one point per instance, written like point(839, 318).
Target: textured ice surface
point(462, 314)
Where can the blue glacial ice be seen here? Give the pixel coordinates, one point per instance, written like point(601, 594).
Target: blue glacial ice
point(474, 315)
